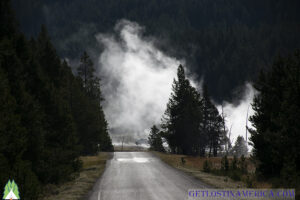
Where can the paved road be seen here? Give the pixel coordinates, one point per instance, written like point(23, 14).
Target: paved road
point(142, 176)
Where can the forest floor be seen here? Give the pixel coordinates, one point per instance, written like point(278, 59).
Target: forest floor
point(194, 166)
point(92, 169)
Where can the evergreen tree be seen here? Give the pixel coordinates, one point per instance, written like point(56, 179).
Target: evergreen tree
point(276, 120)
point(234, 163)
point(212, 124)
point(181, 122)
point(225, 164)
point(86, 69)
point(191, 123)
point(48, 58)
point(243, 164)
point(39, 129)
point(15, 133)
point(240, 147)
point(61, 148)
point(88, 112)
point(155, 140)
point(13, 141)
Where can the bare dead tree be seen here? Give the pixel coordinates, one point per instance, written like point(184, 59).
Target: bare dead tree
point(229, 142)
point(224, 129)
point(123, 138)
point(247, 125)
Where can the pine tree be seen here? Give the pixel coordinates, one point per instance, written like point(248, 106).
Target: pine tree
point(86, 69)
point(88, 112)
point(225, 164)
point(15, 134)
point(276, 120)
point(48, 58)
point(13, 141)
point(212, 124)
point(155, 140)
point(181, 122)
point(240, 147)
point(38, 128)
point(61, 148)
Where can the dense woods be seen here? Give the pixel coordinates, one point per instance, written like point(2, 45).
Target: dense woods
point(48, 117)
point(226, 42)
point(276, 136)
point(192, 124)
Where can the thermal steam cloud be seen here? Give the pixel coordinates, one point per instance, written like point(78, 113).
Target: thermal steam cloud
point(136, 79)
point(137, 82)
point(236, 114)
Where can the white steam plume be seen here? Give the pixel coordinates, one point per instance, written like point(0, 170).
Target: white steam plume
point(136, 79)
point(236, 114)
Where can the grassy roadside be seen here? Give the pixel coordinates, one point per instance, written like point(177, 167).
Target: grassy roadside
point(92, 169)
point(131, 148)
point(194, 166)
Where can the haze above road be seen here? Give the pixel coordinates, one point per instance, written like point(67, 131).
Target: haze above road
point(140, 175)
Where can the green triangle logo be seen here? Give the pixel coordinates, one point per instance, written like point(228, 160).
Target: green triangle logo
point(11, 190)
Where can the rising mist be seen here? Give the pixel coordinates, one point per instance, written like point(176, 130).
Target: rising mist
point(137, 81)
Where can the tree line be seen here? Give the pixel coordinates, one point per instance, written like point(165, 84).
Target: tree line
point(192, 125)
point(276, 136)
point(48, 116)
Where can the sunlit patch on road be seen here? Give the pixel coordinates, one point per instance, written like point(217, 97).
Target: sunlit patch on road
point(134, 159)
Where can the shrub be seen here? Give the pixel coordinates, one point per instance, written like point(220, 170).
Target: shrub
point(182, 160)
point(249, 182)
point(243, 165)
point(224, 164)
point(234, 163)
point(207, 166)
point(235, 175)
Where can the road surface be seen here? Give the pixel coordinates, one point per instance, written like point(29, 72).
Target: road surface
point(142, 176)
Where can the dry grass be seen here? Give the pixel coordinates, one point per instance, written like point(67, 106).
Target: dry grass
point(196, 162)
point(129, 148)
point(93, 167)
point(194, 166)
